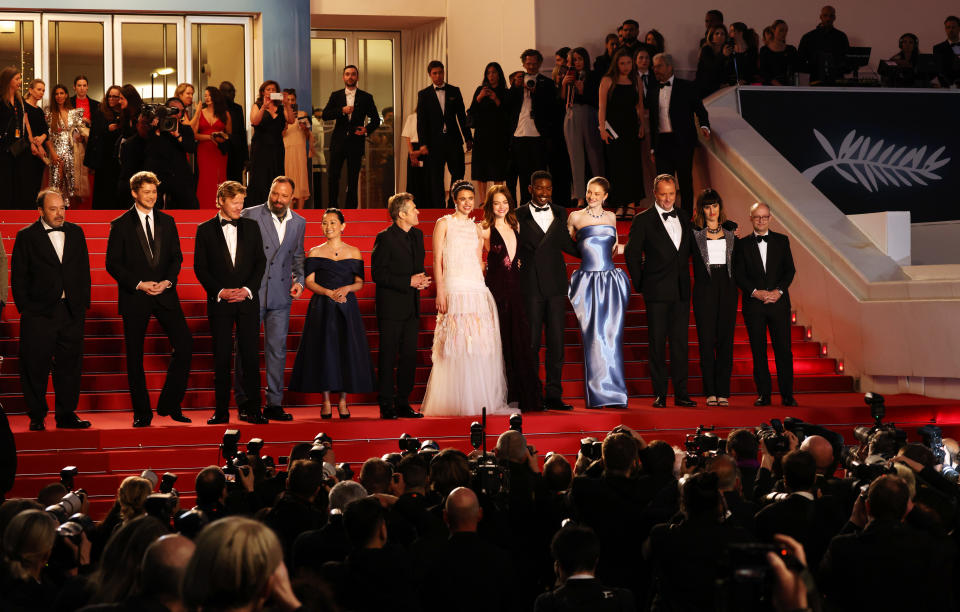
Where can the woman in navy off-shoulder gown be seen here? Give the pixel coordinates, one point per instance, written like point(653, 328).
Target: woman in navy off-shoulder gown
point(333, 353)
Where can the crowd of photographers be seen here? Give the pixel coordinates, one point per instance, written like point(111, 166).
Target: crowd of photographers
point(760, 520)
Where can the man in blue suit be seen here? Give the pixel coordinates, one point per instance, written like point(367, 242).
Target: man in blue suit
point(282, 231)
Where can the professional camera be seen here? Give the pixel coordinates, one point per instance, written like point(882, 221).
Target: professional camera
point(488, 477)
point(530, 81)
point(702, 445)
point(408, 444)
point(254, 446)
point(234, 458)
point(321, 444)
point(749, 580)
point(190, 523)
point(591, 448)
point(516, 422)
point(932, 437)
point(167, 117)
point(773, 437)
point(67, 476)
point(163, 506)
point(69, 505)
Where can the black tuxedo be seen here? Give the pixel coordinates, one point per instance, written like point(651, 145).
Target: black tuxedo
point(238, 154)
point(529, 154)
point(397, 256)
point(216, 271)
point(749, 272)
point(543, 271)
point(660, 271)
point(51, 327)
point(344, 144)
point(674, 149)
point(443, 132)
point(131, 260)
point(948, 63)
point(585, 594)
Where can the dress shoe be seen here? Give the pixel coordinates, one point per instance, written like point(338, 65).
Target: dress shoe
point(254, 417)
point(556, 404)
point(387, 412)
point(404, 411)
point(761, 401)
point(72, 423)
point(141, 422)
point(218, 418)
point(37, 426)
point(660, 401)
point(789, 401)
point(179, 418)
point(684, 402)
point(276, 413)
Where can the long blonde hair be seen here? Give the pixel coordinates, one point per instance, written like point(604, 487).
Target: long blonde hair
point(27, 542)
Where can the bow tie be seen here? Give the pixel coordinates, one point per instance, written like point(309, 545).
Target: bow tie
point(540, 208)
point(662, 85)
point(762, 239)
point(672, 213)
point(55, 229)
point(233, 222)
point(441, 88)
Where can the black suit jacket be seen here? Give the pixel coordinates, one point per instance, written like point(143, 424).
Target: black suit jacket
point(685, 104)
point(585, 594)
point(749, 272)
point(238, 137)
point(659, 270)
point(545, 110)
point(811, 522)
point(393, 261)
point(431, 121)
point(215, 271)
point(39, 278)
point(948, 63)
point(129, 261)
point(540, 255)
point(94, 107)
point(363, 108)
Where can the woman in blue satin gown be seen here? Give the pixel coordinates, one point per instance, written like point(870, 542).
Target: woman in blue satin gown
point(600, 292)
point(333, 354)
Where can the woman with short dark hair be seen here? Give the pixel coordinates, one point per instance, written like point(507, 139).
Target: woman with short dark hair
point(212, 126)
point(491, 129)
point(580, 89)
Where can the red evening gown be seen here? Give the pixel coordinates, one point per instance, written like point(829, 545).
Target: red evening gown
point(211, 164)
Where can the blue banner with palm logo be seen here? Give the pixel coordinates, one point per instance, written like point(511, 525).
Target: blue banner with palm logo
point(867, 150)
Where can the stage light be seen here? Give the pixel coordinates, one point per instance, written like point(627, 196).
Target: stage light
point(840, 366)
point(809, 333)
point(823, 349)
point(793, 317)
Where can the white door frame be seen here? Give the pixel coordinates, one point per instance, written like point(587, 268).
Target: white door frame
point(248, 73)
point(119, 20)
point(38, 60)
point(108, 44)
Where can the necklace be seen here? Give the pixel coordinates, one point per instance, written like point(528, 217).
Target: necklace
point(600, 216)
point(714, 232)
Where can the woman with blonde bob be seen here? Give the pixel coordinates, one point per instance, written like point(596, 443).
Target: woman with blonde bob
point(132, 496)
point(237, 565)
point(27, 543)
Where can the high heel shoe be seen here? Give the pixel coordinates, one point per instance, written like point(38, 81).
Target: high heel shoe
point(326, 412)
point(630, 212)
point(619, 214)
point(342, 410)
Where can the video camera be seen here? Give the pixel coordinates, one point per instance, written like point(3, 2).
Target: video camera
point(882, 439)
point(167, 117)
point(702, 445)
point(408, 444)
point(234, 459)
point(321, 444)
point(488, 477)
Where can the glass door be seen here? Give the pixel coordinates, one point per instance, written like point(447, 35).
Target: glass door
point(377, 56)
point(221, 49)
point(78, 44)
point(147, 50)
point(20, 44)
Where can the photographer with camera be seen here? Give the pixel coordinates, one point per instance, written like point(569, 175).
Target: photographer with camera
point(217, 497)
point(168, 142)
point(743, 447)
point(740, 511)
point(301, 507)
point(775, 442)
point(313, 548)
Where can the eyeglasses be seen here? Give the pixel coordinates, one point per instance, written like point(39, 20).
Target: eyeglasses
point(760, 218)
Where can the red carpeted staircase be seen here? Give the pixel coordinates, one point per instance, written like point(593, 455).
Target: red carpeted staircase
point(112, 449)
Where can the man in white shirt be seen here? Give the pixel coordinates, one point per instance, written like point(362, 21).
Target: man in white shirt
point(535, 118)
point(50, 270)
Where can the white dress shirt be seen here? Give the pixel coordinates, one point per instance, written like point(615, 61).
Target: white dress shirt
point(57, 239)
point(441, 98)
point(717, 252)
point(672, 224)
point(143, 224)
point(543, 217)
point(230, 235)
point(351, 98)
point(281, 225)
point(526, 127)
point(665, 127)
point(763, 248)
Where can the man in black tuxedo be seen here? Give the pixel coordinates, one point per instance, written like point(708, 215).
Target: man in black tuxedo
point(238, 154)
point(350, 107)
point(576, 551)
point(763, 268)
point(143, 256)
point(823, 50)
point(229, 263)
point(397, 268)
point(442, 129)
point(543, 241)
point(673, 134)
point(165, 154)
point(51, 288)
point(658, 255)
point(534, 120)
point(948, 53)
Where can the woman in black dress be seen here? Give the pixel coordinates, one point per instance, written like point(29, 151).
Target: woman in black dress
point(491, 136)
point(744, 56)
point(268, 117)
point(714, 66)
point(333, 354)
point(14, 140)
point(500, 239)
point(622, 108)
point(778, 62)
point(103, 151)
point(31, 167)
point(131, 151)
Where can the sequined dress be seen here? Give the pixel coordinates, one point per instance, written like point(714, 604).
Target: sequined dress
point(63, 176)
point(468, 372)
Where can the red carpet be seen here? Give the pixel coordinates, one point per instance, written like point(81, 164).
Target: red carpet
point(113, 450)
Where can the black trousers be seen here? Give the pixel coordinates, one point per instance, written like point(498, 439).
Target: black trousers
point(398, 340)
point(677, 159)
point(353, 155)
point(449, 154)
point(715, 311)
point(549, 312)
point(668, 320)
point(175, 385)
point(51, 343)
point(759, 318)
point(247, 324)
point(527, 155)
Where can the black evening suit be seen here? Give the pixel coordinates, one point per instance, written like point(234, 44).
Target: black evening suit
point(131, 259)
point(347, 146)
point(443, 131)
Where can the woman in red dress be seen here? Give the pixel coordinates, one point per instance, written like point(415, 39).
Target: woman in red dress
point(212, 127)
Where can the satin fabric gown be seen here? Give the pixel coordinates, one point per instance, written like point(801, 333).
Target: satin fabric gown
point(600, 292)
point(333, 353)
point(211, 163)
